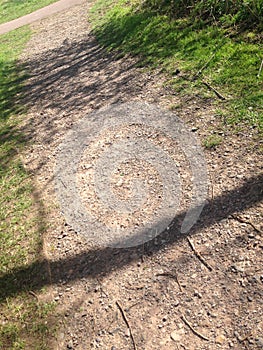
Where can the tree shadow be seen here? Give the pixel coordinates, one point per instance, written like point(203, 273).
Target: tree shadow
point(76, 78)
point(101, 262)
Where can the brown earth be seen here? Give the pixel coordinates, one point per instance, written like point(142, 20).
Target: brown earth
point(163, 284)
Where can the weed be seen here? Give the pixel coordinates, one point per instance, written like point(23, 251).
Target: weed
point(212, 141)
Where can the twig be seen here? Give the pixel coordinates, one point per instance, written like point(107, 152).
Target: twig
point(172, 275)
point(214, 90)
point(34, 294)
point(128, 308)
point(260, 68)
point(245, 337)
point(127, 323)
point(198, 255)
point(193, 330)
point(204, 66)
point(238, 218)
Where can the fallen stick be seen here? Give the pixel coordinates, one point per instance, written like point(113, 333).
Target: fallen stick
point(172, 275)
point(34, 295)
point(214, 90)
point(245, 337)
point(198, 255)
point(204, 66)
point(193, 330)
point(127, 323)
point(238, 218)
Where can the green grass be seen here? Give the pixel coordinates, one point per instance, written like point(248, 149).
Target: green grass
point(21, 221)
point(212, 141)
point(227, 60)
point(11, 9)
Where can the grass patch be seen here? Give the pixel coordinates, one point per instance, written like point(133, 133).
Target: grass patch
point(228, 61)
point(24, 319)
point(212, 141)
point(11, 9)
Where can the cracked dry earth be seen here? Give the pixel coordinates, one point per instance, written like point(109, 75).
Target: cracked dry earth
point(162, 285)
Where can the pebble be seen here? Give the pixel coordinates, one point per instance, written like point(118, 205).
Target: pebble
point(197, 294)
point(70, 345)
point(175, 336)
point(176, 303)
point(260, 342)
point(220, 339)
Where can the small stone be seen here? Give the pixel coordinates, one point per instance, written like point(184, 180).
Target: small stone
point(113, 348)
point(220, 339)
point(260, 342)
point(249, 299)
point(176, 303)
point(197, 294)
point(175, 336)
point(212, 314)
point(127, 333)
point(236, 334)
point(70, 345)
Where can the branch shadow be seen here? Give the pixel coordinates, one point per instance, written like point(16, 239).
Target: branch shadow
point(78, 77)
point(100, 262)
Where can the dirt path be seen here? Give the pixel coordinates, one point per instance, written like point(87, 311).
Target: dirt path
point(38, 15)
point(163, 283)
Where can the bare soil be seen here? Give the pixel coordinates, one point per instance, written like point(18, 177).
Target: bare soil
point(164, 284)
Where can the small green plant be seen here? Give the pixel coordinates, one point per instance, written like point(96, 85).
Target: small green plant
point(212, 141)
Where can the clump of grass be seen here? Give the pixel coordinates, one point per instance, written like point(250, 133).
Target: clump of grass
point(212, 141)
point(245, 14)
point(27, 325)
point(228, 61)
point(21, 236)
point(11, 9)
